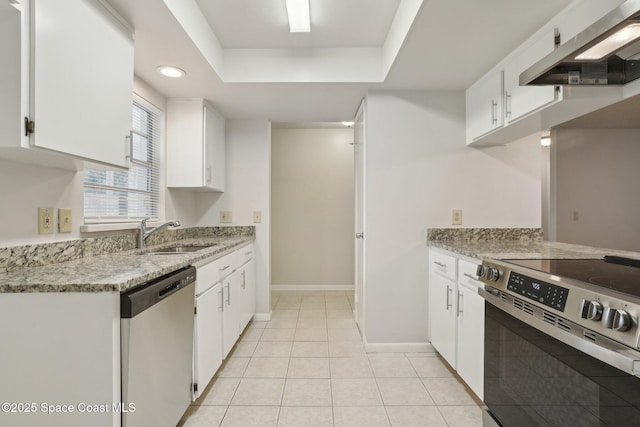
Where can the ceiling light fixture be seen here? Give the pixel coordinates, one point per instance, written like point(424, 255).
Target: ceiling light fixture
point(299, 16)
point(173, 72)
point(612, 43)
point(347, 124)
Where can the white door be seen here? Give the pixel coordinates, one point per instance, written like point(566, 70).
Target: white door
point(359, 153)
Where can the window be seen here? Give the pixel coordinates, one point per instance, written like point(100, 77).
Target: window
point(127, 196)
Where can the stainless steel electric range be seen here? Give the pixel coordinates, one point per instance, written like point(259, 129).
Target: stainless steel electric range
point(562, 342)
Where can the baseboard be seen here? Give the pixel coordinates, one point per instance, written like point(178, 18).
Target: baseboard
point(312, 287)
point(262, 317)
point(401, 347)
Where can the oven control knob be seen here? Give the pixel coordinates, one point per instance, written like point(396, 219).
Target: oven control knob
point(493, 274)
point(584, 308)
point(607, 317)
point(621, 320)
point(481, 270)
point(594, 312)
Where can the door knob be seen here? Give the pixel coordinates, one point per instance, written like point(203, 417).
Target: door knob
point(359, 235)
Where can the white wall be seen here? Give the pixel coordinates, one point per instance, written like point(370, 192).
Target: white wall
point(25, 187)
point(418, 169)
point(312, 208)
point(596, 174)
point(247, 189)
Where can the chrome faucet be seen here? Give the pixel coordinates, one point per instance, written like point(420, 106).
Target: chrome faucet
point(143, 234)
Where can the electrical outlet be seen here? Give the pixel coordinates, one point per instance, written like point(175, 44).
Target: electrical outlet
point(257, 216)
point(225, 217)
point(456, 217)
point(45, 221)
point(64, 220)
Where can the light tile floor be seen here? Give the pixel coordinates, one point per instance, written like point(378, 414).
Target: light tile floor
point(307, 367)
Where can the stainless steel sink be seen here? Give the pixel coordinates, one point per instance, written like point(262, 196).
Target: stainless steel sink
point(179, 249)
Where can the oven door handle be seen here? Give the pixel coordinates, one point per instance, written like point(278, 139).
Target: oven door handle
point(621, 357)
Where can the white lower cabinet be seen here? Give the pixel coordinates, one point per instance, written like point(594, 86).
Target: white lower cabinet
point(225, 304)
point(470, 319)
point(247, 288)
point(456, 316)
point(443, 317)
point(230, 312)
point(208, 345)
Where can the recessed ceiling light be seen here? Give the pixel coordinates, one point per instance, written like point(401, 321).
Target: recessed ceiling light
point(347, 124)
point(169, 71)
point(299, 16)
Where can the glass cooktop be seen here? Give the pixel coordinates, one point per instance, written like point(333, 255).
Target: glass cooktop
point(611, 275)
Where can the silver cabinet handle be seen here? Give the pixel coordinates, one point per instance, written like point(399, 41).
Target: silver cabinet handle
point(221, 293)
point(248, 253)
point(224, 268)
point(208, 177)
point(228, 293)
point(494, 112)
point(449, 290)
point(507, 102)
point(470, 276)
point(459, 303)
point(439, 264)
point(244, 279)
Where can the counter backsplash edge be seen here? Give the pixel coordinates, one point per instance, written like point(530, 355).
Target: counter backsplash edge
point(33, 255)
point(483, 234)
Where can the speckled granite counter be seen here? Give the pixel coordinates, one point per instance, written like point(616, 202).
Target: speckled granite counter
point(513, 243)
point(118, 271)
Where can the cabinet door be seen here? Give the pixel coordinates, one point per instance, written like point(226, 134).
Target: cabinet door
point(442, 317)
point(82, 80)
point(581, 15)
point(248, 293)
point(214, 149)
point(231, 312)
point(521, 100)
point(208, 336)
point(470, 362)
point(484, 106)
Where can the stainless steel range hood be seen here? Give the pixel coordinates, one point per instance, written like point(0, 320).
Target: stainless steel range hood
point(599, 55)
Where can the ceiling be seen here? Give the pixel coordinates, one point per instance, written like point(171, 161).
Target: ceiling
point(239, 55)
point(242, 24)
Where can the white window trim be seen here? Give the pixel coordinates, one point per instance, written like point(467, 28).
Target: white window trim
point(133, 225)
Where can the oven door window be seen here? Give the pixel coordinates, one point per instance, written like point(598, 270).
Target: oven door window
point(532, 379)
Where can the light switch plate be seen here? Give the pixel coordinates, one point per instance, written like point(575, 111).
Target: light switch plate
point(45, 221)
point(226, 217)
point(257, 216)
point(456, 217)
point(65, 222)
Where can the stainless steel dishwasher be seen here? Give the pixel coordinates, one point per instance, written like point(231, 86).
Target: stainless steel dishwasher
point(156, 326)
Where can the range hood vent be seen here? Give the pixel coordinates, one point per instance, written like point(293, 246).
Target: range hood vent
point(605, 54)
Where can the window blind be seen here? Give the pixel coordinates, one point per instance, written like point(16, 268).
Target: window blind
point(127, 196)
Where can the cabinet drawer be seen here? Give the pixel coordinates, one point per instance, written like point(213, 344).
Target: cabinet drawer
point(467, 273)
point(445, 265)
point(214, 272)
point(245, 254)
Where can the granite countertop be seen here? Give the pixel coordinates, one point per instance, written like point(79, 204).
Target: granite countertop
point(115, 272)
point(512, 243)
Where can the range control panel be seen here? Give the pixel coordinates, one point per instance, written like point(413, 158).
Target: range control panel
point(551, 295)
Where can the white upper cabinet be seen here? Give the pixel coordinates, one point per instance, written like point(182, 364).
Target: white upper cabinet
point(195, 145)
point(581, 14)
point(68, 69)
point(484, 105)
point(522, 100)
point(530, 109)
